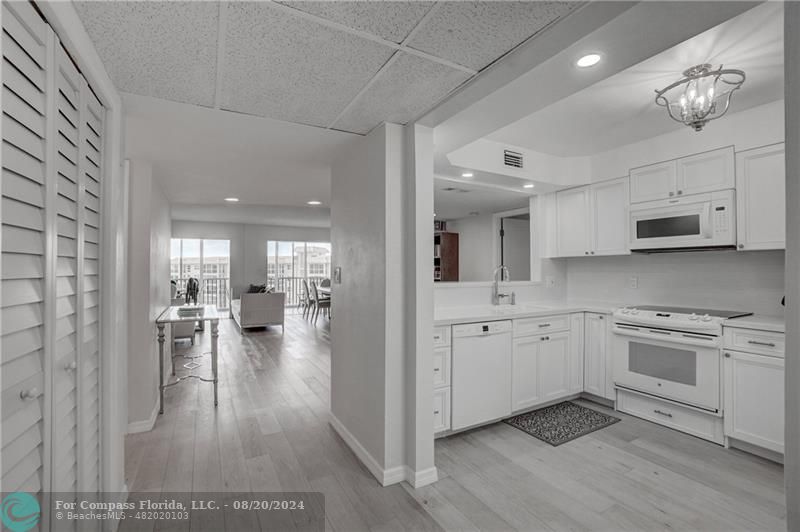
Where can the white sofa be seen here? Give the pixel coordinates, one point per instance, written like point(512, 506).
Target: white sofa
point(258, 310)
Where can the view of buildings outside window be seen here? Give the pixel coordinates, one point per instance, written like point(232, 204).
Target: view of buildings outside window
point(206, 260)
point(289, 263)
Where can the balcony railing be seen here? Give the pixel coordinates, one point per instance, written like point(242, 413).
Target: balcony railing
point(293, 286)
point(213, 291)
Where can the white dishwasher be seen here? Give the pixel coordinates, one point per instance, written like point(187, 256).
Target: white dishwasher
point(481, 374)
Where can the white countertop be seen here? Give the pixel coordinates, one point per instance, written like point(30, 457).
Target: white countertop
point(453, 315)
point(531, 309)
point(759, 322)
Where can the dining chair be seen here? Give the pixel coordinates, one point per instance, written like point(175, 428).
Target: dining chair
point(306, 301)
point(325, 282)
point(319, 304)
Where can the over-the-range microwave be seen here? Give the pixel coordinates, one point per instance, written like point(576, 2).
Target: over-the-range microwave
point(699, 221)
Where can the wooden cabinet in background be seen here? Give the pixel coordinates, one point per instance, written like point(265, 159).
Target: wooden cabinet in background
point(445, 256)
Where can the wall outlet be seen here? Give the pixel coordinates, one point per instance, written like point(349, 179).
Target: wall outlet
point(633, 282)
point(549, 281)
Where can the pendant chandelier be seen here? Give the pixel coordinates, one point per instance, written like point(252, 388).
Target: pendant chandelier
point(701, 96)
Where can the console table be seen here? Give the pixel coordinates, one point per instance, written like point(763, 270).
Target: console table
point(174, 314)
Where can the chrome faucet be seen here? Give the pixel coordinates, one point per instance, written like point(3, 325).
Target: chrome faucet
point(497, 297)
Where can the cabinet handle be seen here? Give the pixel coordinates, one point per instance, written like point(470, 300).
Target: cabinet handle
point(741, 246)
point(435, 411)
point(727, 355)
point(592, 252)
point(680, 192)
point(662, 413)
point(544, 325)
point(585, 252)
point(765, 344)
point(435, 369)
point(671, 194)
point(30, 394)
point(545, 338)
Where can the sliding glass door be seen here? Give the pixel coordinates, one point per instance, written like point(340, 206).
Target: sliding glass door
point(289, 263)
point(208, 261)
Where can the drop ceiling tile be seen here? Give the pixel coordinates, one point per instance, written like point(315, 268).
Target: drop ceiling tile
point(162, 49)
point(474, 34)
point(390, 20)
point(408, 87)
point(285, 67)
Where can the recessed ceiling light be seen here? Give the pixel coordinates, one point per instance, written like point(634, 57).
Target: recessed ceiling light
point(467, 174)
point(529, 185)
point(588, 60)
point(314, 202)
point(232, 200)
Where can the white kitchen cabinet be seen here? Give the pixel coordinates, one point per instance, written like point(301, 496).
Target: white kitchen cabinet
point(524, 373)
point(761, 198)
point(442, 374)
point(554, 365)
point(441, 410)
point(653, 182)
point(576, 352)
point(609, 217)
point(593, 220)
point(705, 172)
point(595, 338)
point(572, 222)
point(754, 399)
point(441, 367)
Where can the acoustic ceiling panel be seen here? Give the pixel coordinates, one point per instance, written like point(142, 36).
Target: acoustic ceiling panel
point(475, 34)
point(390, 20)
point(290, 68)
point(407, 88)
point(162, 49)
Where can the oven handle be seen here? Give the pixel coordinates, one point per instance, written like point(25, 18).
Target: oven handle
point(667, 336)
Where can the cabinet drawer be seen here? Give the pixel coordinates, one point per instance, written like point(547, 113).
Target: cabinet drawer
point(441, 410)
point(700, 424)
point(441, 367)
point(441, 336)
point(528, 326)
point(753, 341)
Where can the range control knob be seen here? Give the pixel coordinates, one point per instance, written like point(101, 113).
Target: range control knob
point(634, 311)
point(694, 317)
point(706, 318)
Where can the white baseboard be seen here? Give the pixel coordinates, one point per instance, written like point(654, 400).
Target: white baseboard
point(421, 478)
point(386, 477)
point(144, 425)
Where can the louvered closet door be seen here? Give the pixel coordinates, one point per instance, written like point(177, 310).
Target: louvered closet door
point(65, 362)
point(25, 357)
point(91, 142)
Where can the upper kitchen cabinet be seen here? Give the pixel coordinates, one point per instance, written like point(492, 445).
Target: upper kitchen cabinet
point(761, 198)
point(705, 172)
point(572, 225)
point(609, 211)
point(653, 182)
point(593, 220)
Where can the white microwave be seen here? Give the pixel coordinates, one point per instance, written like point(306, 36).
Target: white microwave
point(693, 222)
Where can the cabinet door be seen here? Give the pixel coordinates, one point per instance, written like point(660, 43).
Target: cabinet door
point(653, 182)
point(594, 375)
point(706, 172)
point(553, 366)
point(576, 353)
point(441, 410)
point(572, 224)
point(754, 404)
point(761, 198)
point(441, 367)
point(524, 371)
point(610, 217)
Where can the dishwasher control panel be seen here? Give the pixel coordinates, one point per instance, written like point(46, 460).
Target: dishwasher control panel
point(478, 329)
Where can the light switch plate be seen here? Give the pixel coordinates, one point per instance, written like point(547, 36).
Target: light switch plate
point(337, 275)
point(633, 282)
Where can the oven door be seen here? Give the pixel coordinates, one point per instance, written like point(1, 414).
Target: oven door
point(681, 366)
point(676, 223)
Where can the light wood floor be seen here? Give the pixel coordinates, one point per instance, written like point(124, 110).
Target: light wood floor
point(271, 433)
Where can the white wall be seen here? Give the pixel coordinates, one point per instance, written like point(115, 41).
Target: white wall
point(517, 248)
point(248, 245)
point(475, 255)
point(148, 289)
point(737, 280)
point(367, 339)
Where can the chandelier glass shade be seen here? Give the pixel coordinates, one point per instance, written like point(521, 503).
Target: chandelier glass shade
point(701, 95)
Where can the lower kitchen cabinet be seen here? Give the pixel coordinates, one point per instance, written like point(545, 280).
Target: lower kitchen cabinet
point(754, 399)
point(525, 369)
point(576, 324)
point(541, 369)
point(441, 409)
point(595, 353)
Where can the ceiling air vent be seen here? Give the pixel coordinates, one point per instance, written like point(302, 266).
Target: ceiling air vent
point(512, 158)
